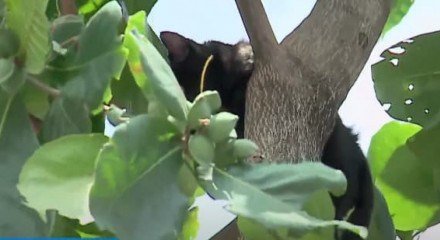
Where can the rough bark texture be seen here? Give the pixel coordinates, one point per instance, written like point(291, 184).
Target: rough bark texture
point(297, 86)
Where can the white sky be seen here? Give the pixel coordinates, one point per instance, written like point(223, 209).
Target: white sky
point(204, 20)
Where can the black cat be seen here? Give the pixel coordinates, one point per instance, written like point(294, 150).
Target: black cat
point(228, 73)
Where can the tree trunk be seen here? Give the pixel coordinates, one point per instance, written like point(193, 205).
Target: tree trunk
point(298, 85)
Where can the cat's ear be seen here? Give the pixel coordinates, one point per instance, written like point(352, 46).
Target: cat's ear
point(178, 46)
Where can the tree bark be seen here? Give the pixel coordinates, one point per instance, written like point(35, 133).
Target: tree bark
point(297, 86)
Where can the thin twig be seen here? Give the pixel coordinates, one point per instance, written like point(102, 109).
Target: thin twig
point(53, 92)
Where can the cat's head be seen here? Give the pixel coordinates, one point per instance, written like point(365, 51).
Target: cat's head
point(228, 73)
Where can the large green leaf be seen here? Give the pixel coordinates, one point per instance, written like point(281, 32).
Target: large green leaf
point(276, 195)
point(136, 191)
point(17, 143)
point(407, 182)
point(60, 173)
point(398, 11)
point(163, 83)
point(409, 79)
point(28, 20)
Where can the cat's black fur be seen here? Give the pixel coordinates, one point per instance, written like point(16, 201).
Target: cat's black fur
point(229, 73)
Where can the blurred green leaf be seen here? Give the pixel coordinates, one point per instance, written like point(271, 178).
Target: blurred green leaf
point(398, 11)
point(127, 94)
point(381, 225)
point(191, 226)
point(11, 77)
point(65, 117)
point(17, 143)
point(425, 144)
point(407, 79)
point(413, 200)
point(136, 5)
point(86, 73)
point(275, 195)
point(9, 43)
point(36, 101)
point(66, 27)
point(60, 173)
point(28, 20)
point(163, 83)
point(136, 191)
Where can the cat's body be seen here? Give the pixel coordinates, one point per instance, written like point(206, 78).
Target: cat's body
point(229, 73)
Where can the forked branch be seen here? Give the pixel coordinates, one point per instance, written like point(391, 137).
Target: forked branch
point(257, 27)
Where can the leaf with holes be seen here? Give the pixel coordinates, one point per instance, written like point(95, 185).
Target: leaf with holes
point(408, 79)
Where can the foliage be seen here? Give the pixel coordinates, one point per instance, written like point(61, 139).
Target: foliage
point(398, 11)
point(407, 79)
point(59, 75)
point(404, 157)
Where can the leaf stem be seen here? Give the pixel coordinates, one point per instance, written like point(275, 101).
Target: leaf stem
point(44, 87)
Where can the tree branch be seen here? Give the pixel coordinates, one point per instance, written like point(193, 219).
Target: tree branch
point(292, 99)
point(337, 38)
point(257, 27)
point(44, 87)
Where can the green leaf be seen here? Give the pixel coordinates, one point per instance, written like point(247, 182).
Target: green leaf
point(413, 200)
point(244, 148)
point(381, 225)
point(9, 43)
point(135, 5)
point(13, 83)
point(136, 191)
point(426, 142)
point(87, 74)
point(275, 195)
point(60, 173)
point(65, 117)
point(163, 82)
point(191, 225)
point(398, 11)
point(7, 68)
point(61, 226)
point(99, 62)
point(17, 143)
point(87, 7)
point(28, 20)
point(407, 79)
point(127, 94)
point(201, 149)
point(36, 101)
point(221, 125)
point(67, 27)
point(137, 23)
